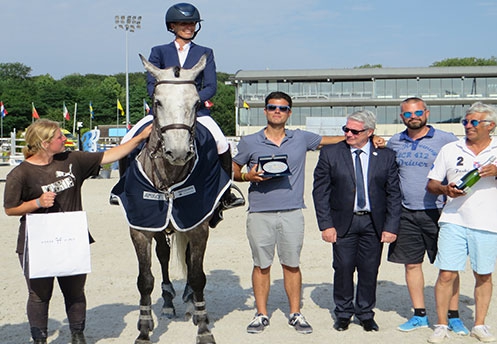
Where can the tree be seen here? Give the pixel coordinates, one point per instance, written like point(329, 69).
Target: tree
point(465, 61)
point(109, 91)
point(137, 92)
point(369, 66)
point(223, 110)
point(18, 90)
point(14, 71)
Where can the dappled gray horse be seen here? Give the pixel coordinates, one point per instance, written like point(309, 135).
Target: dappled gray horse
point(173, 184)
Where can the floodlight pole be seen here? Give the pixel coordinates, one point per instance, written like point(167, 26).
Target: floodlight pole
point(127, 23)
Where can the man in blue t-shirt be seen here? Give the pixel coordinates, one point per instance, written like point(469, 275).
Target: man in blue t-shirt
point(416, 148)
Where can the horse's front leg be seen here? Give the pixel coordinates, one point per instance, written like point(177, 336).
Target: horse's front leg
point(196, 279)
point(163, 252)
point(142, 240)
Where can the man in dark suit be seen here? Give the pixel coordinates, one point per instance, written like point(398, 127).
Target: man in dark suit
point(358, 203)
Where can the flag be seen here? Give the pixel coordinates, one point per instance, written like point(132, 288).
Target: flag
point(245, 105)
point(34, 113)
point(3, 110)
point(92, 114)
point(66, 114)
point(208, 104)
point(146, 107)
point(120, 107)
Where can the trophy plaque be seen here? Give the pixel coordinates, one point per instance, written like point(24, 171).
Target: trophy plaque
point(274, 166)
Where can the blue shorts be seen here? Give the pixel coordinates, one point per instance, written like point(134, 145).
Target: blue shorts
point(456, 242)
point(281, 229)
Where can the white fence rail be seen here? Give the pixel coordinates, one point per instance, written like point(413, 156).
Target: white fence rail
point(11, 149)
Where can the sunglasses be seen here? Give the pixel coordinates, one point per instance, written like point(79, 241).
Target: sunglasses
point(418, 113)
point(474, 122)
point(282, 108)
point(353, 131)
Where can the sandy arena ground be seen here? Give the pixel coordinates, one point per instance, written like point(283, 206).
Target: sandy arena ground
point(113, 297)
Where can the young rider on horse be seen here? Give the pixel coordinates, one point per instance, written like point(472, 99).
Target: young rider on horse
point(183, 20)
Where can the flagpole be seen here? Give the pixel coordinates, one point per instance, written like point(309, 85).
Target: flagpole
point(91, 114)
point(2, 113)
point(74, 120)
point(117, 114)
point(1, 118)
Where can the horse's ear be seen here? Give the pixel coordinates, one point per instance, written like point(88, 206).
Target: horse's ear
point(202, 62)
point(199, 66)
point(150, 67)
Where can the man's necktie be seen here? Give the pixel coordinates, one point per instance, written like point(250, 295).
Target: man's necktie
point(359, 177)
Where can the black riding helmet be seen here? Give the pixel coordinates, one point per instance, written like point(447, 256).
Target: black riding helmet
point(183, 12)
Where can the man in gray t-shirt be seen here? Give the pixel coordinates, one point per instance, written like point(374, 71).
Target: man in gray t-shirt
point(416, 148)
point(275, 205)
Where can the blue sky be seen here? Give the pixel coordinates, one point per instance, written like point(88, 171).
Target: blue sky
point(62, 37)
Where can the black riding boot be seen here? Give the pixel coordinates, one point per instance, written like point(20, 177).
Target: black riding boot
point(228, 200)
point(123, 165)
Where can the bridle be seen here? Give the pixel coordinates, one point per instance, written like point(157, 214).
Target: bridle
point(161, 130)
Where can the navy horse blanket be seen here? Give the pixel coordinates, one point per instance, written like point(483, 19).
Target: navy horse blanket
point(185, 204)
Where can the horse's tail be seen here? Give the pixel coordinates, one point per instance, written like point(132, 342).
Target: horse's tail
point(179, 244)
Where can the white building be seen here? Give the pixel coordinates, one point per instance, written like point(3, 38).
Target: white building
point(323, 97)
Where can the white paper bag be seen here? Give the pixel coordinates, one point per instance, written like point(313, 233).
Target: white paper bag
point(57, 244)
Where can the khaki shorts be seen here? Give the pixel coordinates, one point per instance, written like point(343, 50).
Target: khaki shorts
point(281, 229)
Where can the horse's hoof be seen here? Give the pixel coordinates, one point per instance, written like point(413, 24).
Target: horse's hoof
point(189, 311)
point(206, 338)
point(188, 316)
point(145, 325)
point(143, 340)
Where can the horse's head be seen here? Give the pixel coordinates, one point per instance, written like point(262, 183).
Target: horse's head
point(175, 108)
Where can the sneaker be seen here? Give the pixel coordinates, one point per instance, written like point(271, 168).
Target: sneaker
point(258, 324)
point(414, 323)
point(298, 322)
point(439, 334)
point(457, 326)
point(482, 333)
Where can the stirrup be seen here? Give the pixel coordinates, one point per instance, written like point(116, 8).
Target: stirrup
point(232, 200)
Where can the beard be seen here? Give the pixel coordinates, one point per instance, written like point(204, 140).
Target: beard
point(413, 124)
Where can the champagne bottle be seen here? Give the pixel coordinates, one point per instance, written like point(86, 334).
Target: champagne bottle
point(470, 178)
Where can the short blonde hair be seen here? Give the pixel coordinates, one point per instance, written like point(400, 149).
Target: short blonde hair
point(43, 130)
